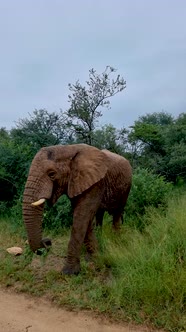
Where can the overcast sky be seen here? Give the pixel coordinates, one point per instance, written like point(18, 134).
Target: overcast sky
point(46, 44)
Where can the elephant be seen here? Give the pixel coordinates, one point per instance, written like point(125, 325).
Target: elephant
point(94, 180)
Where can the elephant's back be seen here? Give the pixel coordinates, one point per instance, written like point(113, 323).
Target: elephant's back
point(119, 169)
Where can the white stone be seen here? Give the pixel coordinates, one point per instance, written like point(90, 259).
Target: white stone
point(16, 251)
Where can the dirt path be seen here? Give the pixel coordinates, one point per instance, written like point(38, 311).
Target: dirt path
point(19, 313)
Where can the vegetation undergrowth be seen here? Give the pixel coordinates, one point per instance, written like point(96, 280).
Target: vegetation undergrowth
point(136, 275)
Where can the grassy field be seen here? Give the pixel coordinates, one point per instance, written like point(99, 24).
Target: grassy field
point(136, 276)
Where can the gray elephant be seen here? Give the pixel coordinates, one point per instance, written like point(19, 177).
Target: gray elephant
point(95, 181)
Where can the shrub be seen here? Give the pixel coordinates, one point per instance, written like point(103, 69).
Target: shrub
point(3, 209)
point(59, 216)
point(148, 189)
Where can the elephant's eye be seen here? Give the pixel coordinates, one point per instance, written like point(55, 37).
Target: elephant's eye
point(52, 175)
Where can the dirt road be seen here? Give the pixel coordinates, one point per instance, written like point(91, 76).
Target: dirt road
point(19, 313)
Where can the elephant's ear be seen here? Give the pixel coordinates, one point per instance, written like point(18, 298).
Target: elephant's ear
point(87, 167)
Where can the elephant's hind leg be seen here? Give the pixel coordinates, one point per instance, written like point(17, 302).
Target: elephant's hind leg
point(117, 221)
point(90, 241)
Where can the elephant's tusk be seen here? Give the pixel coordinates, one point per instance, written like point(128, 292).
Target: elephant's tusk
point(41, 201)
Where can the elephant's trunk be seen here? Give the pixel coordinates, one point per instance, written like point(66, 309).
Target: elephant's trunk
point(32, 216)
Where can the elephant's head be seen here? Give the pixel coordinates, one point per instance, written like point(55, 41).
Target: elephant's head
point(54, 171)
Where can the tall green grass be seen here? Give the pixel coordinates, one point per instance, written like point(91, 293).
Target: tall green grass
point(149, 268)
point(136, 275)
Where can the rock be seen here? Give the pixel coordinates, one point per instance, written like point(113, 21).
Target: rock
point(16, 251)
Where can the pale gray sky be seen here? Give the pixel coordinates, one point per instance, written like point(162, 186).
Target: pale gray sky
point(46, 44)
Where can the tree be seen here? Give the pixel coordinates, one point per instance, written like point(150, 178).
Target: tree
point(161, 142)
point(110, 138)
point(13, 167)
point(86, 101)
point(149, 130)
point(157, 118)
point(107, 137)
point(174, 165)
point(3, 134)
point(41, 129)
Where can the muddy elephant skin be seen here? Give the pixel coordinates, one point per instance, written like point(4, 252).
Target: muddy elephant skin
point(95, 181)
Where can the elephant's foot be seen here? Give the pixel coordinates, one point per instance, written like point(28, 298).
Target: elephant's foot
point(89, 257)
point(71, 269)
point(116, 228)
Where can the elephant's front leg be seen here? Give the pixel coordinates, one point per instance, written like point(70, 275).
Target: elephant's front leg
point(79, 228)
point(85, 208)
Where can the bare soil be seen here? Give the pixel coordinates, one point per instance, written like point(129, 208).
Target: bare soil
point(21, 313)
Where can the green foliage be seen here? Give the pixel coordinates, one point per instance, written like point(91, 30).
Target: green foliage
point(13, 167)
point(3, 209)
point(148, 189)
point(148, 135)
point(108, 137)
point(59, 216)
point(159, 143)
point(40, 129)
point(16, 212)
point(157, 118)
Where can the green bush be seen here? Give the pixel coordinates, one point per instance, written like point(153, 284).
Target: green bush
point(3, 209)
point(16, 214)
point(58, 216)
point(148, 189)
